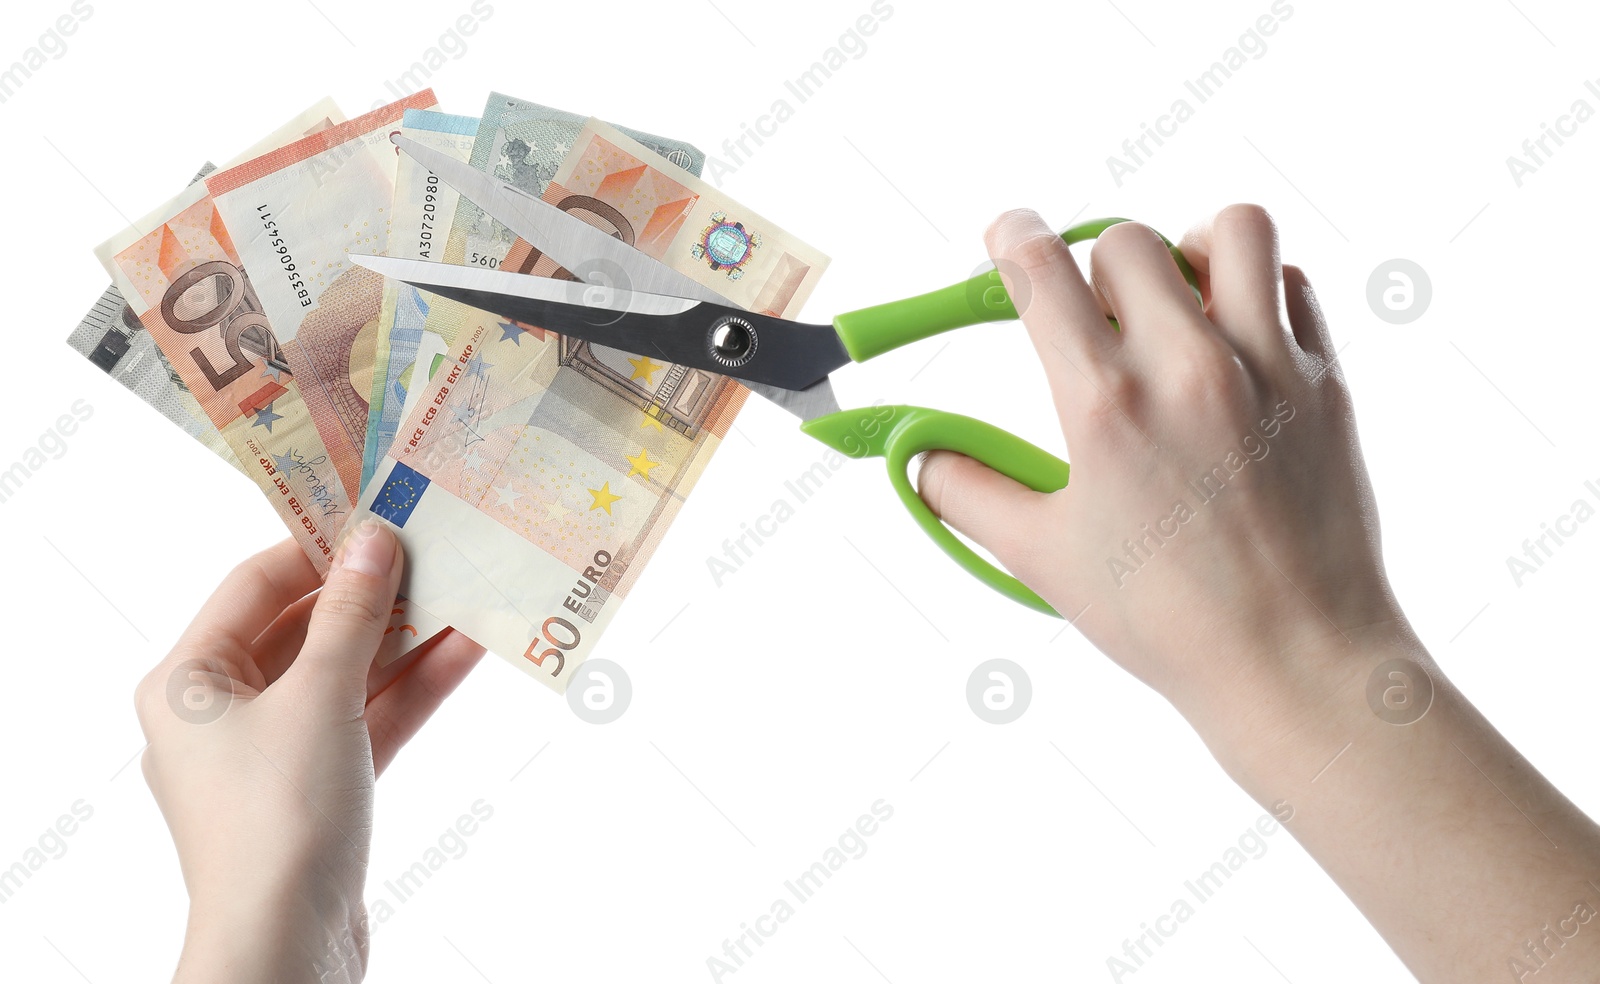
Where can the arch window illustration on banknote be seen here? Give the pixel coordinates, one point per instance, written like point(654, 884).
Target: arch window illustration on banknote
point(321, 352)
point(679, 398)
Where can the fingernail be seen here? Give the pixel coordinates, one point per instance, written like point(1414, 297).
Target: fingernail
point(369, 548)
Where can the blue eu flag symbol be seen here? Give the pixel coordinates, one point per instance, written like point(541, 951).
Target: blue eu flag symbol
point(400, 494)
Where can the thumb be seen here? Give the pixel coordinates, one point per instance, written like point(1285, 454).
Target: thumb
point(351, 615)
point(999, 513)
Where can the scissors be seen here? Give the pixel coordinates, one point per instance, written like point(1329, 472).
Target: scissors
point(651, 309)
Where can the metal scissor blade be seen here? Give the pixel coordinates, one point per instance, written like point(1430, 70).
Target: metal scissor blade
point(506, 285)
point(588, 253)
point(772, 351)
point(594, 256)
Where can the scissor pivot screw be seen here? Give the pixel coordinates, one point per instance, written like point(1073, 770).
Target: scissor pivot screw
point(733, 341)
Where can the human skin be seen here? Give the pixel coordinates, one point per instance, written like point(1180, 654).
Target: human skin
point(1266, 614)
point(1262, 620)
point(267, 725)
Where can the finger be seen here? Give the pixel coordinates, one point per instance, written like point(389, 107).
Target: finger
point(382, 674)
point(1238, 249)
point(1102, 300)
point(1068, 329)
point(400, 710)
point(276, 648)
point(252, 595)
point(349, 619)
point(1134, 269)
point(1305, 315)
point(188, 691)
point(999, 513)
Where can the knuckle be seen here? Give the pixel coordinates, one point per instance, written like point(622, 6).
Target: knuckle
point(152, 694)
point(1035, 252)
point(383, 730)
point(353, 596)
point(1121, 388)
point(141, 696)
point(1247, 220)
point(1021, 245)
point(950, 491)
point(1122, 237)
point(1207, 376)
point(933, 480)
point(1008, 224)
point(251, 572)
point(1114, 247)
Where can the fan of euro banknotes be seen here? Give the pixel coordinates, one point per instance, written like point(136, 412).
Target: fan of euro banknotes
point(532, 476)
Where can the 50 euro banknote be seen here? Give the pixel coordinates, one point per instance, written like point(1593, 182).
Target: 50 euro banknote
point(113, 339)
point(180, 274)
point(295, 214)
point(181, 277)
point(537, 474)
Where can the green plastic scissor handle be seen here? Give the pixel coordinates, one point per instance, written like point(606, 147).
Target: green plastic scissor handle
point(884, 327)
point(898, 433)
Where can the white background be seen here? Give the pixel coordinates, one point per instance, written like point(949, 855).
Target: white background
point(830, 672)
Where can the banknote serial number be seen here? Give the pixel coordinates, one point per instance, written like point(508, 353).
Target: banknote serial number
point(285, 259)
point(430, 214)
